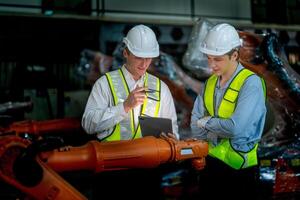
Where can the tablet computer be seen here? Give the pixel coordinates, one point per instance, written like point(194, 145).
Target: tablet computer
point(154, 126)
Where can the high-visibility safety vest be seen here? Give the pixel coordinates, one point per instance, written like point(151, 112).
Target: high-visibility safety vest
point(119, 89)
point(224, 151)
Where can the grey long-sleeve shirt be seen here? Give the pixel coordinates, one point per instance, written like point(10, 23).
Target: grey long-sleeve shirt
point(246, 124)
point(100, 115)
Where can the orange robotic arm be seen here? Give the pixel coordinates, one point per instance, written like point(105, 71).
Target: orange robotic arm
point(30, 175)
point(148, 152)
point(40, 127)
point(36, 176)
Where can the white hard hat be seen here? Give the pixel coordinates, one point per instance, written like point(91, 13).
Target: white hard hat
point(221, 39)
point(141, 42)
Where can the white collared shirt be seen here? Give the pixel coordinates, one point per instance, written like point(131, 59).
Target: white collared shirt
point(100, 115)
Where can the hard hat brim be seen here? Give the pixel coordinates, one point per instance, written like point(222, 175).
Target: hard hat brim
point(153, 54)
point(213, 53)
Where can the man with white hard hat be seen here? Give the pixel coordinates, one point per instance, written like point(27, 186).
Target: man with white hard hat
point(230, 114)
point(121, 96)
point(113, 108)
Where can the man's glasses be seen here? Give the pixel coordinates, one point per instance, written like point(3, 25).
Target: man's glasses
point(152, 91)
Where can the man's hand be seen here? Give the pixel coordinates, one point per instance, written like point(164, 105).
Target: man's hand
point(135, 98)
point(201, 123)
point(168, 135)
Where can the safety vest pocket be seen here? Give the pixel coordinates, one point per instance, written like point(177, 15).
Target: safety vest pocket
point(231, 95)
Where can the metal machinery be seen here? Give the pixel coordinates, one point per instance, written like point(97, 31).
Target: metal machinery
point(33, 167)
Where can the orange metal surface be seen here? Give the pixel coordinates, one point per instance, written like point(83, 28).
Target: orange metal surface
point(40, 127)
point(45, 183)
point(148, 152)
point(51, 186)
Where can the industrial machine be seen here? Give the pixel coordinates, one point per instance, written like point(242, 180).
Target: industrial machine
point(33, 166)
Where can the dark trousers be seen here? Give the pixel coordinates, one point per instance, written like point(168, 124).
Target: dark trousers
point(219, 181)
point(127, 184)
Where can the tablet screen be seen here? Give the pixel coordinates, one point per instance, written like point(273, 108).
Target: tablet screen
point(154, 126)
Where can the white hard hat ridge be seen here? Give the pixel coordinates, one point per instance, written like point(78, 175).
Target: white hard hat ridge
point(220, 40)
point(141, 42)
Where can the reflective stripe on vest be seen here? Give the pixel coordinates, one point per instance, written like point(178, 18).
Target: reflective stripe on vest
point(125, 129)
point(224, 150)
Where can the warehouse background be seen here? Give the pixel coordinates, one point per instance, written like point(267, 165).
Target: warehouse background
point(43, 42)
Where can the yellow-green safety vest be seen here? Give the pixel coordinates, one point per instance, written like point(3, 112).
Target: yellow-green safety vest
point(120, 91)
point(224, 150)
